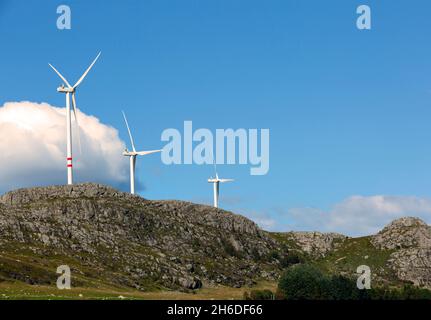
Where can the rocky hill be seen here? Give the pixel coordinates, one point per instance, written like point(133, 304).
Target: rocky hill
point(111, 238)
point(117, 238)
point(410, 240)
point(313, 244)
point(400, 253)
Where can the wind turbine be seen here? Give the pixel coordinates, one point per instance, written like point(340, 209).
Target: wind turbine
point(71, 90)
point(133, 154)
point(216, 184)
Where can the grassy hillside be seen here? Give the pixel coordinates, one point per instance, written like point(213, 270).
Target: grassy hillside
point(354, 252)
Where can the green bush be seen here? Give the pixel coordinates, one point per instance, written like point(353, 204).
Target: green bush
point(274, 255)
point(341, 288)
point(290, 259)
point(410, 292)
point(303, 282)
point(259, 295)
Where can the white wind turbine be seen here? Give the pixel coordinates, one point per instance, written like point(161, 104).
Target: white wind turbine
point(133, 154)
point(68, 91)
point(216, 184)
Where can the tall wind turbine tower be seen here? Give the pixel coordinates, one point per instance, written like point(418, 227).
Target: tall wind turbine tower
point(132, 155)
point(216, 184)
point(71, 90)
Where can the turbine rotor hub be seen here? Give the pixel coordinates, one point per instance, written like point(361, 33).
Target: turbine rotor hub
point(65, 89)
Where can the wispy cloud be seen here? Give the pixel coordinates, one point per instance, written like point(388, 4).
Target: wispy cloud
point(354, 216)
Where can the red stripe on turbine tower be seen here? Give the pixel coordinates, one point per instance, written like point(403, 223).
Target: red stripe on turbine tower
point(69, 166)
point(69, 159)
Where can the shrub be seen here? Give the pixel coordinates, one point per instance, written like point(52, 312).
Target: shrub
point(410, 292)
point(303, 282)
point(274, 255)
point(259, 295)
point(342, 288)
point(290, 259)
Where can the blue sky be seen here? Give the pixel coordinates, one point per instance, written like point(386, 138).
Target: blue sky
point(348, 110)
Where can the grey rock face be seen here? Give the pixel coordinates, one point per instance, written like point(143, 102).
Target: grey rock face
point(413, 265)
point(132, 241)
point(316, 244)
point(404, 233)
point(410, 239)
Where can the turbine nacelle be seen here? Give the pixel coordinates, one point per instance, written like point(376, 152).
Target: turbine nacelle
point(64, 89)
point(128, 153)
point(216, 185)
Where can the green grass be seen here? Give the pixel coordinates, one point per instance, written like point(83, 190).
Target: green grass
point(20, 266)
point(285, 239)
point(352, 253)
point(20, 291)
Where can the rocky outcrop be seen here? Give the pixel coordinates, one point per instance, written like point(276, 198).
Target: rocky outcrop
point(413, 265)
point(315, 244)
point(132, 241)
point(404, 233)
point(410, 239)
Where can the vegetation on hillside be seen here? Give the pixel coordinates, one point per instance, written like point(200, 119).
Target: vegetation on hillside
point(307, 282)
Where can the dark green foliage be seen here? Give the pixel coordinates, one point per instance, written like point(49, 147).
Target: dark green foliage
point(290, 259)
point(306, 282)
point(342, 288)
point(259, 295)
point(274, 255)
point(411, 292)
point(407, 292)
point(303, 282)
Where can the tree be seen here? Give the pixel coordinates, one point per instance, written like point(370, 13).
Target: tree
point(304, 282)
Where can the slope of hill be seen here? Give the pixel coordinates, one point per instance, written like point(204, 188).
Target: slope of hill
point(111, 237)
point(115, 240)
point(400, 253)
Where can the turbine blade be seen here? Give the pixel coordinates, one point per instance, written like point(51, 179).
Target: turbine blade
point(75, 112)
point(226, 180)
point(60, 75)
point(144, 153)
point(128, 129)
point(215, 169)
point(86, 72)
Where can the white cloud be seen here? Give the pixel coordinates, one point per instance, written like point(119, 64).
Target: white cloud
point(265, 223)
point(33, 148)
point(263, 220)
point(363, 215)
point(354, 216)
